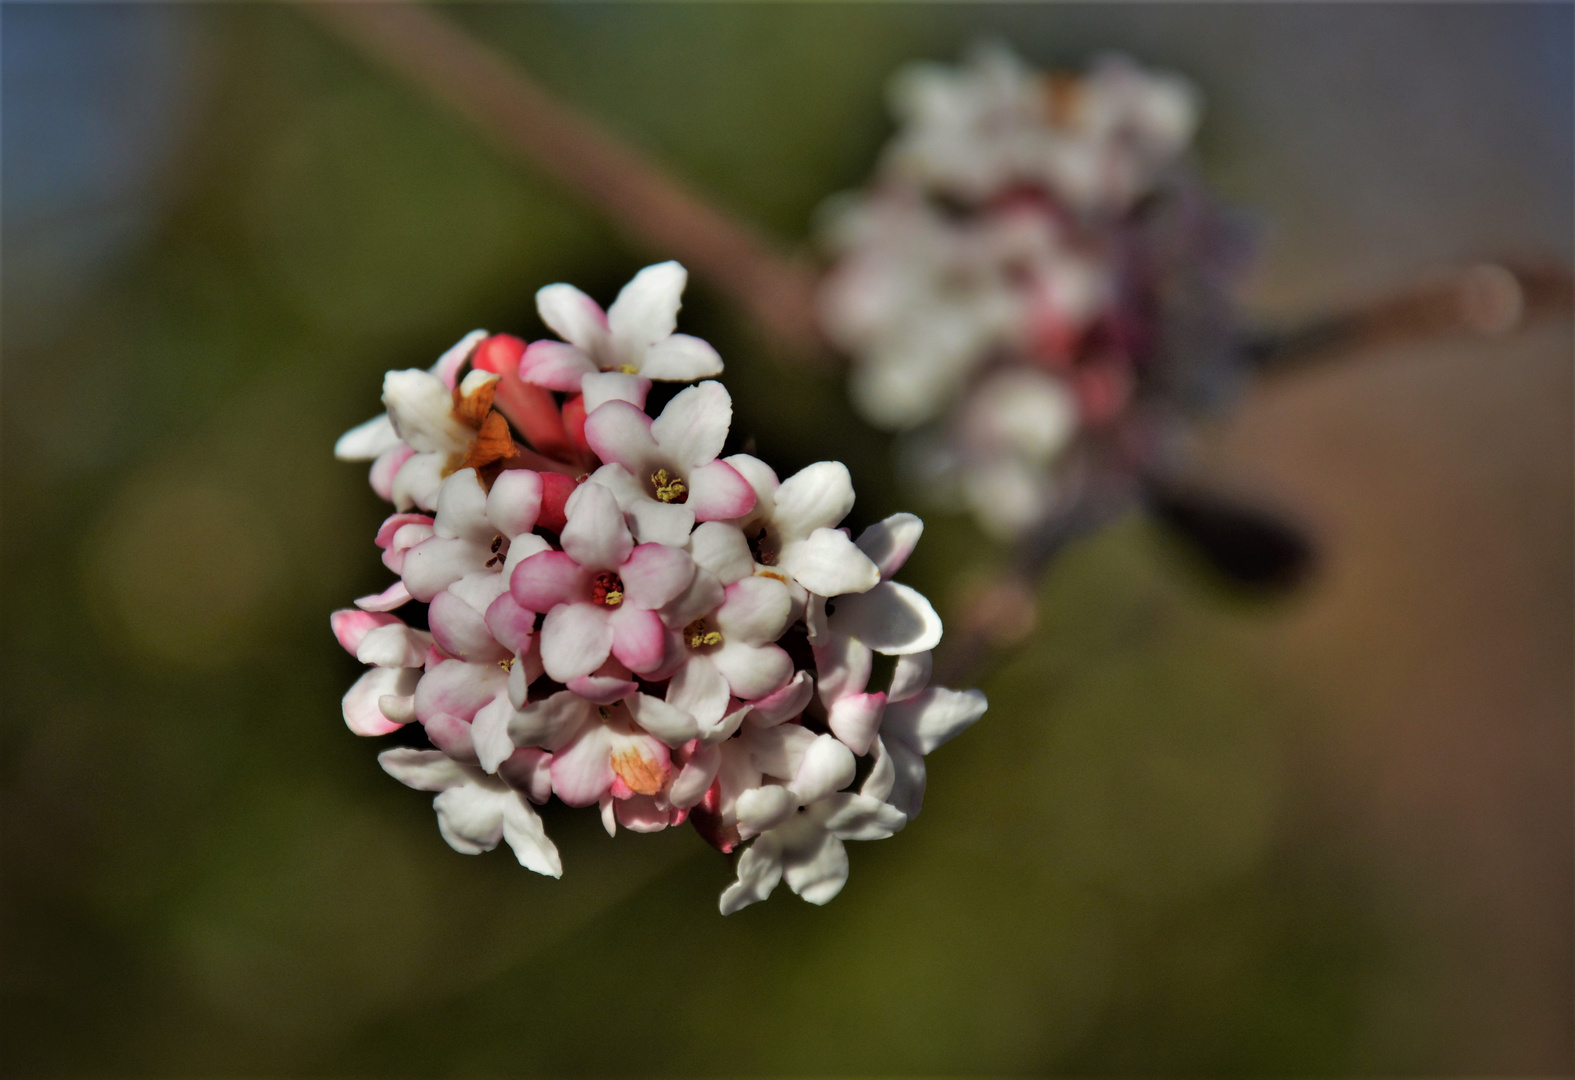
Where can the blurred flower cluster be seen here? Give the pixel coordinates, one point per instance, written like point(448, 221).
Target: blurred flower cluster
point(592, 603)
point(1033, 257)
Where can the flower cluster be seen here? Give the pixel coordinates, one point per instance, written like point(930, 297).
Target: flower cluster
point(1032, 251)
point(595, 604)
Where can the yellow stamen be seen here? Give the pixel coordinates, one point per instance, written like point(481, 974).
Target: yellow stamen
point(697, 635)
point(628, 369)
point(507, 665)
point(668, 490)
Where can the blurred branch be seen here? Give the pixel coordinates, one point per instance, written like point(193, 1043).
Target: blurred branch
point(1489, 298)
point(527, 123)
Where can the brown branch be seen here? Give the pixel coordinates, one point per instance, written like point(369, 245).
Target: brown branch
point(1488, 299)
point(527, 123)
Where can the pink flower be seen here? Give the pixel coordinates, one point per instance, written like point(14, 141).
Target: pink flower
point(633, 337)
point(382, 700)
point(601, 592)
point(598, 750)
point(664, 471)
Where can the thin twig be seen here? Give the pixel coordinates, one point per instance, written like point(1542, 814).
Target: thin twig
point(526, 122)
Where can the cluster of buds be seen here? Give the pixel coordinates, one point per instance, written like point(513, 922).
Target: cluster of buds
point(593, 604)
point(1032, 257)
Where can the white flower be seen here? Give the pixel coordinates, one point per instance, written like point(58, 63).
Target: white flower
point(634, 337)
point(792, 528)
point(475, 810)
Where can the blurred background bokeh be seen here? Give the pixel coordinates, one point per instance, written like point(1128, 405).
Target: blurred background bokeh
point(1196, 832)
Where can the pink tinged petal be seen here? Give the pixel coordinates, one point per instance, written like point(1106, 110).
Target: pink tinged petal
point(827, 564)
point(752, 671)
point(523, 832)
point(759, 476)
point(640, 814)
point(639, 638)
point(911, 675)
point(582, 771)
point(703, 595)
point(818, 496)
point(360, 707)
point(855, 719)
point(694, 779)
point(681, 358)
point(433, 565)
point(603, 386)
point(529, 770)
point(674, 655)
point(620, 433)
point(470, 817)
point(451, 735)
point(888, 543)
point(395, 596)
point(350, 626)
point(556, 366)
point(699, 689)
point(548, 579)
point(447, 366)
point(843, 665)
point(722, 550)
point(462, 631)
point(755, 611)
point(418, 479)
point(553, 722)
point(668, 723)
point(934, 717)
point(607, 684)
point(424, 770)
point(367, 441)
point(646, 309)
point(817, 873)
point(759, 870)
point(718, 493)
point(462, 508)
point(878, 784)
point(393, 646)
point(575, 640)
point(784, 704)
point(421, 407)
point(521, 548)
point(596, 536)
point(571, 315)
point(693, 427)
point(514, 502)
point(386, 468)
point(655, 574)
point(458, 688)
point(489, 733)
point(764, 808)
point(828, 766)
point(892, 619)
point(510, 625)
point(394, 525)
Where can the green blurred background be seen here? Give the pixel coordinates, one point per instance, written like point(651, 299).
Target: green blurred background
point(1193, 834)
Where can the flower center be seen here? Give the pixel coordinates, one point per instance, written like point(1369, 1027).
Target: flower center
point(763, 548)
point(500, 552)
point(607, 589)
point(697, 635)
point(628, 369)
point(669, 490)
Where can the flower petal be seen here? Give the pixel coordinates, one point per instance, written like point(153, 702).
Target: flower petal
point(510, 624)
point(722, 550)
point(514, 502)
point(764, 808)
point(600, 387)
point(680, 358)
point(783, 705)
point(828, 766)
point(451, 735)
point(701, 597)
point(418, 480)
point(447, 366)
point(551, 723)
point(640, 814)
point(386, 468)
point(855, 719)
point(655, 574)
point(433, 565)
point(694, 779)
point(639, 638)
point(424, 770)
point(888, 543)
point(818, 873)
point(596, 536)
point(548, 579)
point(759, 870)
point(758, 475)
point(421, 409)
point(892, 619)
point(827, 564)
point(933, 717)
point(394, 646)
point(489, 733)
point(395, 596)
point(816, 497)
point(699, 689)
point(693, 427)
point(555, 366)
point(646, 309)
point(717, 492)
point(674, 726)
point(522, 829)
point(572, 315)
point(462, 508)
point(360, 708)
point(752, 671)
point(878, 784)
point(860, 817)
point(911, 675)
point(462, 631)
point(843, 665)
point(575, 640)
point(661, 523)
point(529, 771)
point(367, 441)
point(582, 771)
point(470, 817)
point(755, 611)
point(620, 434)
point(458, 688)
point(350, 626)
point(605, 685)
